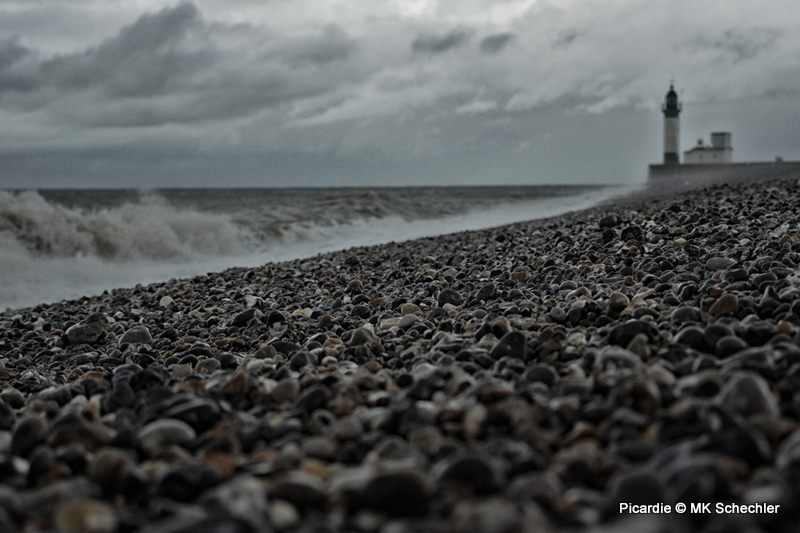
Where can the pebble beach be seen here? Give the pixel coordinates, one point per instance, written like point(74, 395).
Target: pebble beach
point(547, 376)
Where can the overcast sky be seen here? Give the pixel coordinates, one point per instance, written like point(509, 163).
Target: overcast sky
point(148, 93)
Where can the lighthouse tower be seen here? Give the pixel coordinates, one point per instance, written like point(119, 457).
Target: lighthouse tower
point(672, 128)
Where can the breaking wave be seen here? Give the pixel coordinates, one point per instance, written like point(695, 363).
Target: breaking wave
point(149, 228)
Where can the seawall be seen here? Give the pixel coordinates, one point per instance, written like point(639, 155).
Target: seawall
point(724, 172)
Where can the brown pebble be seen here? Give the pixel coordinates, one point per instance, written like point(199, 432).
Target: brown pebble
point(354, 287)
point(86, 516)
point(638, 345)
point(727, 303)
point(237, 385)
point(225, 463)
point(266, 351)
point(13, 398)
point(285, 391)
point(500, 326)
point(715, 291)
point(407, 321)
point(409, 309)
point(107, 466)
point(377, 302)
point(519, 277)
point(206, 366)
point(348, 428)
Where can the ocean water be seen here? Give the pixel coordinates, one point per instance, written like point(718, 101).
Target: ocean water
point(65, 244)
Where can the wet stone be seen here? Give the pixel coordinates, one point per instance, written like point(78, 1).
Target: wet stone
point(165, 432)
point(244, 498)
point(362, 337)
point(487, 292)
point(623, 334)
point(7, 416)
point(190, 522)
point(30, 431)
point(558, 315)
point(109, 465)
point(759, 333)
point(729, 345)
point(471, 472)
point(727, 303)
point(349, 428)
point(734, 274)
point(136, 335)
point(275, 317)
point(397, 494)
point(184, 481)
point(361, 311)
point(243, 319)
point(542, 374)
point(86, 516)
point(200, 413)
point(638, 487)
point(266, 351)
point(407, 321)
point(631, 233)
point(300, 489)
point(513, 344)
point(13, 398)
point(286, 347)
point(46, 500)
point(692, 337)
point(409, 308)
point(639, 346)
point(313, 398)
point(285, 391)
point(449, 296)
point(686, 314)
point(319, 448)
point(618, 301)
point(609, 221)
point(354, 287)
point(719, 263)
point(749, 394)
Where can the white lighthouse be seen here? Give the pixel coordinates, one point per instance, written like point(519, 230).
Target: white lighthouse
point(672, 128)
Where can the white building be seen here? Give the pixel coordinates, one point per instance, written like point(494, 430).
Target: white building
point(720, 150)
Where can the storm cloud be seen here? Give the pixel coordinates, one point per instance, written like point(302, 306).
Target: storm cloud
point(495, 43)
point(174, 67)
point(436, 44)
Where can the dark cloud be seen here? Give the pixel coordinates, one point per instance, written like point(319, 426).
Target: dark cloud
point(11, 52)
point(169, 67)
point(427, 43)
point(12, 77)
point(566, 38)
point(141, 61)
point(739, 44)
point(495, 43)
point(332, 44)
